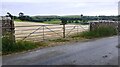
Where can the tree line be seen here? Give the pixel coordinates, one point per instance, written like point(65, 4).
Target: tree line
point(69, 19)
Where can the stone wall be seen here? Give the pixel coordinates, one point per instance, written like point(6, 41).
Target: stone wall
point(8, 28)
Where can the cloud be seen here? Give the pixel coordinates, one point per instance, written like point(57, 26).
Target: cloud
point(55, 7)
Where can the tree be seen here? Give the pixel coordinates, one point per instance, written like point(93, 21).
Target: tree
point(21, 16)
point(81, 15)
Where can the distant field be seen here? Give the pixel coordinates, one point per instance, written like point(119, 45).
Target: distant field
point(46, 22)
point(50, 30)
point(28, 23)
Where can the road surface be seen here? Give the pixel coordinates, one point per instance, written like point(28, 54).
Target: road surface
point(94, 52)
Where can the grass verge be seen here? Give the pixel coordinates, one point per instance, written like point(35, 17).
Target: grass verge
point(102, 31)
point(9, 47)
point(60, 40)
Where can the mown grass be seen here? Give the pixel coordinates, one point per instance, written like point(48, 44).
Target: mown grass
point(9, 47)
point(102, 31)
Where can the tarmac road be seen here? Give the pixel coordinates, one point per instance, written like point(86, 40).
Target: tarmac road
point(94, 52)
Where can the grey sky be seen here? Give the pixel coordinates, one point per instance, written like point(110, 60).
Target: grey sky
point(60, 7)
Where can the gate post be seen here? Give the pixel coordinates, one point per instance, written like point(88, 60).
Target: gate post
point(63, 22)
point(63, 30)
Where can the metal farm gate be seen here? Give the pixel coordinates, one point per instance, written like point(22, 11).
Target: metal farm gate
point(46, 32)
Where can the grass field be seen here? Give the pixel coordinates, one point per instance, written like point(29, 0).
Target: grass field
point(46, 22)
point(52, 22)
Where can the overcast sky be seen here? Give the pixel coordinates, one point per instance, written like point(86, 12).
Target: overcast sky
point(60, 7)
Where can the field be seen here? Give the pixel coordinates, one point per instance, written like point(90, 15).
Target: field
point(40, 31)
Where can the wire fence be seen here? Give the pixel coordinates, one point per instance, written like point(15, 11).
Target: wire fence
point(47, 32)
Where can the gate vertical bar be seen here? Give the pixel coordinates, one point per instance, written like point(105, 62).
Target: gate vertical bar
point(77, 29)
point(43, 33)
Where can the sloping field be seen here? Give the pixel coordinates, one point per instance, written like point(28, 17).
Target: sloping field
point(40, 31)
